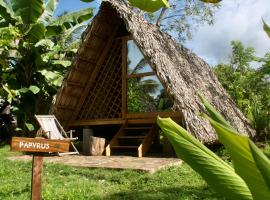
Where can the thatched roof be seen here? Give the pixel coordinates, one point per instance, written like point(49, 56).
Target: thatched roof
point(181, 72)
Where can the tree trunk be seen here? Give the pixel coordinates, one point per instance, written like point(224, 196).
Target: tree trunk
point(96, 145)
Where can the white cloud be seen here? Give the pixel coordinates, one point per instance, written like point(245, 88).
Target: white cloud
point(236, 20)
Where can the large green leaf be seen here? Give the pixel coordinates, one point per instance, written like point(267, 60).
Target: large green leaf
point(262, 162)
point(64, 63)
point(36, 32)
point(243, 160)
point(50, 7)
point(54, 78)
point(7, 13)
point(68, 35)
point(266, 28)
point(213, 113)
point(149, 5)
point(217, 173)
point(34, 89)
point(87, 1)
point(30, 127)
point(49, 44)
point(211, 1)
point(64, 22)
point(29, 10)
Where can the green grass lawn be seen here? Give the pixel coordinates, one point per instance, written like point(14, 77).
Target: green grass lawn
point(64, 182)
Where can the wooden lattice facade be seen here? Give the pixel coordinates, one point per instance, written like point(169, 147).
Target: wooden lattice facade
point(104, 99)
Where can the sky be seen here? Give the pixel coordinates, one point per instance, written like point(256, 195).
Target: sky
point(235, 20)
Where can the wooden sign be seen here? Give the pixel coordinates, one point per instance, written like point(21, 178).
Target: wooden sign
point(39, 145)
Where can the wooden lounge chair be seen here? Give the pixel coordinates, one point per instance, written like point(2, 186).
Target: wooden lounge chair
point(53, 130)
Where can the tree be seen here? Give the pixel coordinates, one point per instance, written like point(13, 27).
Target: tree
point(180, 18)
point(248, 86)
point(35, 51)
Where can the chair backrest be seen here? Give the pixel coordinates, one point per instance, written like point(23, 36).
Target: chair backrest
point(49, 125)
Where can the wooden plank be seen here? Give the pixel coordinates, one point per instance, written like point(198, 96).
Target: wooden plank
point(126, 37)
point(65, 108)
point(87, 61)
point(37, 171)
point(108, 150)
point(74, 84)
point(39, 145)
point(148, 140)
point(96, 122)
point(125, 147)
point(141, 75)
point(152, 115)
point(124, 79)
point(131, 137)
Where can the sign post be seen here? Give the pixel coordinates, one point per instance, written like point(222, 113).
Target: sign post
point(38, 146)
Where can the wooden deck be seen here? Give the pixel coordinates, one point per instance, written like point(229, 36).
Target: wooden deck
point(146, 164)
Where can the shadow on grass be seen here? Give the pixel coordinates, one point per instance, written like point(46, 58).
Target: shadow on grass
point(16, 193)
point(167, 193)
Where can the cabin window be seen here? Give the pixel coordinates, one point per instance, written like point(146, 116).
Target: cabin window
point(136, 63)
point(145, 92)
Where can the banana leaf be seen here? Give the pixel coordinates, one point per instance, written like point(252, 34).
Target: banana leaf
point(216, 172)
point(149, 5)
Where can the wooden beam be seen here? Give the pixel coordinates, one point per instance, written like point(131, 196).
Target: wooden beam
point(74, 84)
point(124, 80)
point(87, 60)
point(96, 122)
point(64, 108)
point(141, 75)
point(152, 115)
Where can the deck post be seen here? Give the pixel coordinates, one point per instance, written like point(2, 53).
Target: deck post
point(87, 133)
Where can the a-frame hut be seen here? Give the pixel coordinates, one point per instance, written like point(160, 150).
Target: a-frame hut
point(121, 51)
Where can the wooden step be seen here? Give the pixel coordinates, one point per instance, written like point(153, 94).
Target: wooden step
point(137, 128)
point(125, 147)
point(131, 137)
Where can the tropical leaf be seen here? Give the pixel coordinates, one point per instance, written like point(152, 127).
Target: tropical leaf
point(64, 22)
point(7, 13)
point(217, 173)
point(30, 127)
point(149, 5)
point(34, 89)
point(45, 43)
point(29, 10)
point(47, 15)
point(36, 32)
point(69, 35)
point(87, 1)
point(266, 28)
point(243, 160)
point(211, 1)
point(54, 78)
point(262, 162)
point(64, 63)
point(213, 113)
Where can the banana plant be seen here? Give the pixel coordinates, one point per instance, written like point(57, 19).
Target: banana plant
point(35, 52)
point(249, 175)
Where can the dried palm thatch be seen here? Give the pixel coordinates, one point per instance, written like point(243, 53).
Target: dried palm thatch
point(181, 72)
